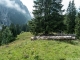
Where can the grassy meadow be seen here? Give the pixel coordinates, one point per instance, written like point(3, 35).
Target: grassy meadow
point(25, 49)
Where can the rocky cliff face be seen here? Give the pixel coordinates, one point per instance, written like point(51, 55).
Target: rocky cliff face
point(13, 11)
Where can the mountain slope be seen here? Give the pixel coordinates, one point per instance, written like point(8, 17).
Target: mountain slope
point(25, 49)
point(13, 11)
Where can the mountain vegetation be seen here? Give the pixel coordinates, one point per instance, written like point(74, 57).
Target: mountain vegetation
point(9, 33)
point(25, 49)
point(16, 32)
point(77, 27)
point(47, 17)
point(13, 20)
point(70, 17)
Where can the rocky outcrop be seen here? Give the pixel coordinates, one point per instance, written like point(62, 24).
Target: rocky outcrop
point(13, 11)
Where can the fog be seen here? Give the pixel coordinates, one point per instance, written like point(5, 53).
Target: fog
point(12, 4)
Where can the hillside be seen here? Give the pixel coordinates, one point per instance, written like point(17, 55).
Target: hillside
point(25, 49)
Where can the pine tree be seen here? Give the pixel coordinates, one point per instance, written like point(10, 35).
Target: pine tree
point(6, 36)
point(13, 30)
point(25, 28)
point(77, 27)
point(0, 37)
point(70, 17)
point(18, 29)
point(47, 17)
point(3, 28)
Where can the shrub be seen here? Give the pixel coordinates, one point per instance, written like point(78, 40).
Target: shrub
point(6, 36)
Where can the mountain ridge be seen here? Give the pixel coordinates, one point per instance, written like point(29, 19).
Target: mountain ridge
point(13, 12)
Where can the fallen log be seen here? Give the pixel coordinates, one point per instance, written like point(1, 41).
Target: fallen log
point(53, 38)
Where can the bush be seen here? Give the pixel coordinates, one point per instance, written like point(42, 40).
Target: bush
point(7, 36)
point(74, 42)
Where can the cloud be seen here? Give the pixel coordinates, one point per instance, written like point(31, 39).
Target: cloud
point(12, 4)
point(29, 4)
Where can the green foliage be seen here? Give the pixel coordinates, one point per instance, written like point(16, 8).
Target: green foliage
point(6, 36)
point(3, 28)
point(70, 17)
point(25, 28)
point(75, 42)
point(77, 27)
point(25, 49)
point(32, 27)
point(18, 29)
point(0, 37)
point(13, 30)
point(47, 17)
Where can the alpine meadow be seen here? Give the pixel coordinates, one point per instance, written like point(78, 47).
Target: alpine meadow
point(52, 33)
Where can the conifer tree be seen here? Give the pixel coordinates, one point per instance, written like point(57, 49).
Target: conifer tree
point(0, 37)
point(77, 27)
point(70, 17)
point(47, 17)
point(6, 36)
point(18, 29)
point(13, 30)
point(25, 28)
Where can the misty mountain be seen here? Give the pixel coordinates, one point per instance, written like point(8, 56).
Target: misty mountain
point(13, 11)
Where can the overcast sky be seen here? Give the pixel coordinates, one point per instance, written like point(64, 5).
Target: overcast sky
point(29, 4)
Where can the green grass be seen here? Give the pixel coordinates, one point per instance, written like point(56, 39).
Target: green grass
point(25, 49)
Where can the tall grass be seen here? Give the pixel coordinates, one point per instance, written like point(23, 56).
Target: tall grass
point(25, 49)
